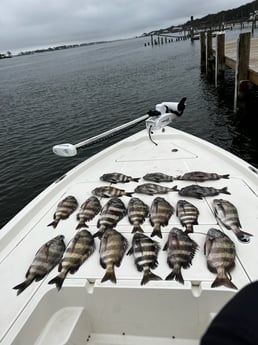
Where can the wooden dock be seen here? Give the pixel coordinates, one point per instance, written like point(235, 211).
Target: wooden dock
point(231, 57)
point(241, 56)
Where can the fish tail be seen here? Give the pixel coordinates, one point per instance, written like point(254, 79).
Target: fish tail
point(243, 236)
point(136, 179)
point(224, 190)
point(58, 280)
point(98, 234)
point(21, 287)
point(174, 189)
point(54, 223)
point(109, 275)
point(223, 281)
point(137, 228)
point(130, 194)
point(148, 275)
point(156, 232)
point(177, 275)
point(81, 224)
point(189, 229)
point(225, 176)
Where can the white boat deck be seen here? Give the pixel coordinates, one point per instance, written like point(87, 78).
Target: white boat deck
point(86, 310)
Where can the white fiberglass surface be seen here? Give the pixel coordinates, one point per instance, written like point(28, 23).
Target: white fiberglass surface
point(188, 155)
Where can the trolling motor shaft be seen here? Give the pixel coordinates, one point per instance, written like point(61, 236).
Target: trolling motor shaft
point(163, 114)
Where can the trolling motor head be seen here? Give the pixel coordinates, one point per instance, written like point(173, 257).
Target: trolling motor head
point(165, 113)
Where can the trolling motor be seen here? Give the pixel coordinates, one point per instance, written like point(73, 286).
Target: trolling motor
point(163, 114)
point(156, 119)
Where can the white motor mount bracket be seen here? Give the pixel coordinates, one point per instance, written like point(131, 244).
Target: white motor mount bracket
point(164, 114)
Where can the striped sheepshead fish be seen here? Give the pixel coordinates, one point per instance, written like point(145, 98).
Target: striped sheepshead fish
point(137, 212)
point(118, 178)
point(46, 258)
point(109, 191)
point(160, 213)
point(88, 210)
point(79, 249)
point(187, 214)
point(199, 192)
point(220, 254)
point(152, 188)
point(158, 177)
point(113, 211)
point(113, 246)
point(227, 214)
point(180, 253)
point(145, 252)
point(200, 176)
point(65, 207)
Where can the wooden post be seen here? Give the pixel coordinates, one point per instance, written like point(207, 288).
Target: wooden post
point(152, 40)
point(203, 51)
point(242, 64)
point(192, 30)
point(209, 54)
point(220, 59)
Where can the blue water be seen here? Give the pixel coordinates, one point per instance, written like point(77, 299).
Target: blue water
point(70, 95)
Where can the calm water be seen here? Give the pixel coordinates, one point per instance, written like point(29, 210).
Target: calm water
point(70, 95)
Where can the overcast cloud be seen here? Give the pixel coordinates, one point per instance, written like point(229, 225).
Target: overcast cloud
point(28, 24)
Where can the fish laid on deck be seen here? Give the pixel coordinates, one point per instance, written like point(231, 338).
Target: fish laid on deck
point(158, 177)
point(199, 192)
point(137, 212)
point(64, 209)
point(118, 178)
point(109, 191)
point(227, 214)
point(180, 253)
point(79, 249)
point(220, 254)
point(187, 214)
point(145, 252)
point(46, 258)
point(113, 246)
point(201, 176)
point(152, 188)
point(88, 210)
point(160, 213)
point(113, 211)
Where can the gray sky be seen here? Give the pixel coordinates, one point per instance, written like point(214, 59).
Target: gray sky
point(28, 24)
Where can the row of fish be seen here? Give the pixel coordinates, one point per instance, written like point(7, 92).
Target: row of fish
point(219, 251)
point(194, 191)
point(197, 176)
point(159, 214)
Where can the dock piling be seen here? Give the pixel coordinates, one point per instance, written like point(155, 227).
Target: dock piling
point(220, 59)
point(242, 65)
